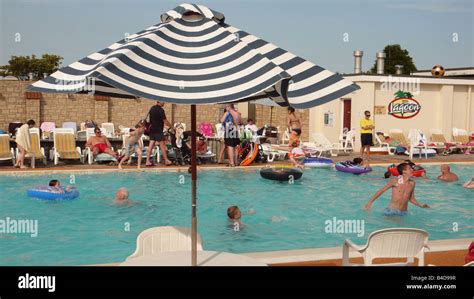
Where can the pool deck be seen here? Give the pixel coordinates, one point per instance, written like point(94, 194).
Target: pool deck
point(441, 253)
point(383, 160)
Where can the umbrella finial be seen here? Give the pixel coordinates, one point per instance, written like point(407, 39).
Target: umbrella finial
point(189, 12)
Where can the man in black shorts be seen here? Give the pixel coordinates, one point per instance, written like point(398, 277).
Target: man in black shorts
point(366, 127)
point(158, 121)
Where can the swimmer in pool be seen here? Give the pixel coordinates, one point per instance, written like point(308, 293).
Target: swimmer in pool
point(403, 191)
point(234, 215)
point(121, 196)
point(447, 175)
point(469, 184)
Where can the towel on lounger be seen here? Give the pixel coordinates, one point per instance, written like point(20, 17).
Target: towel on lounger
point(23, 137)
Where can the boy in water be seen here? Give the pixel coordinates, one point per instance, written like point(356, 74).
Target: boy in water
point(295, 150)
point(133, 144)
point(403, 191)
point(234, 215)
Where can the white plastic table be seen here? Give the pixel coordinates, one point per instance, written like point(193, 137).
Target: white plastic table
point(183, 258)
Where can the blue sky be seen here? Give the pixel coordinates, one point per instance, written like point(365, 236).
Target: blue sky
point(314, 30)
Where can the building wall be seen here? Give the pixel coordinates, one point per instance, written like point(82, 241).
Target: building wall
point(60, 108)
point(443, 106)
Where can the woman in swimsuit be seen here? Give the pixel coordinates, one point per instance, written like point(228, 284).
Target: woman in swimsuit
point(294, 123)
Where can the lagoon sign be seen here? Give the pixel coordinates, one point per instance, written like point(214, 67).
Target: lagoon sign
point(404, 106)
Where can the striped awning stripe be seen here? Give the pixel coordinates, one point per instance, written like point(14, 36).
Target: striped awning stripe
point(200, 61)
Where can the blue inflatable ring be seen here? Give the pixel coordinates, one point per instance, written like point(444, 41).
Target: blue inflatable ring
point(45, 193)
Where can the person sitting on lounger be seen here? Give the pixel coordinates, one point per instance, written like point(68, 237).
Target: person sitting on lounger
point(447, 175)
point(295, 150)
point(100, 144)
point(403, 191)
point(469, 184)
point(133, 145)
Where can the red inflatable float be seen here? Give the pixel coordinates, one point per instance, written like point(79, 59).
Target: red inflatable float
point(418, 172)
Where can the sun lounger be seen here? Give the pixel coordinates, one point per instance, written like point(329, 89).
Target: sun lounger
point(382, 147)
point(47, 129)
point(6, 152)
point(156, 240)
point(461, 138)
point(36, 150)
point(322, 144)
point(65, 146)
point(407, 243)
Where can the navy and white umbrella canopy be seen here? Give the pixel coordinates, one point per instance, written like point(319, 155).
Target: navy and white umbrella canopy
point(193, 57)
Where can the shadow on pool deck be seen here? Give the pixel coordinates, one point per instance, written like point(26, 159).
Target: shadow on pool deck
point(5, 166)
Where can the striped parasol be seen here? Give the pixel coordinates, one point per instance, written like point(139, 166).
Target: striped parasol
point(193, 57)
point(198, 59)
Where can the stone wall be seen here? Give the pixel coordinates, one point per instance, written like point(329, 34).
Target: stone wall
point(60, 108)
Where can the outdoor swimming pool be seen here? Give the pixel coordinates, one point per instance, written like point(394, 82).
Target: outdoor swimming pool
point(92, 230)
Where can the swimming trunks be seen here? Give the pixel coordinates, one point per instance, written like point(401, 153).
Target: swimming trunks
point(394, 212)
point(102, 147)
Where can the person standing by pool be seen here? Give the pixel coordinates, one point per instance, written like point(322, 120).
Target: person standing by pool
point(23, 142)
point(294, 123)
point(447, 175)
point(230, 121)
point(133, 145)
point(403, 191)
point(366, 127)
point(158, 121)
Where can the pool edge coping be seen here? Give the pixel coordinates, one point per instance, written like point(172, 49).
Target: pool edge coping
point(331, 253)
point(170, 169)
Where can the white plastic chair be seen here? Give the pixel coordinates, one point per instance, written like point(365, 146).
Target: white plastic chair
point(322, 144)
point(156, 240)
point(72, 125)
point(347, 143)
point(109, 129)
point(417, 140)
point(390, 243)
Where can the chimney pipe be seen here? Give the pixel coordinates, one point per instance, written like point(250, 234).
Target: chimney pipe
point(380, 62)
point(358, 61)
point(398, 69)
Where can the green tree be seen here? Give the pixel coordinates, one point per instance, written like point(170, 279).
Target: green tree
point(396, 55)
point(22, 66)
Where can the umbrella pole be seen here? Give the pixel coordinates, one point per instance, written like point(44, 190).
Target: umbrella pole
point(193, 184)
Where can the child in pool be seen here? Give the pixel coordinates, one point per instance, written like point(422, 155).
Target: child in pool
point(234, 215)
point(295, 151)
point(55, 187)
point(403, 191)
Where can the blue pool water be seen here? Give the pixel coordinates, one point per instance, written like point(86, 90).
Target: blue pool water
point(277, 216)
